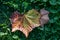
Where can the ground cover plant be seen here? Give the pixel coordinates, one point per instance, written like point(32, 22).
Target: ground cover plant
point(50, 31)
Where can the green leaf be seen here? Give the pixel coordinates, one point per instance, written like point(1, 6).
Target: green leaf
point(32, 0)
point(45, 0)
point(58, 2)
point(53, 11)
point(2, 34)
point(53, 2)
point(25, 5)
point(15, 37)
point(11, 4)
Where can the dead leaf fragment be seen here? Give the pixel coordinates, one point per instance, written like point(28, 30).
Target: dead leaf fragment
point(44, 16)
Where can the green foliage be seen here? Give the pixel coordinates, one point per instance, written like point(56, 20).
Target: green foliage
point(50, 31)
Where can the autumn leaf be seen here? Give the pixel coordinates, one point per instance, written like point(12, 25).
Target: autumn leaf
point(31, 19)
point(44, 16)
point(25, 22)
point(16, 20)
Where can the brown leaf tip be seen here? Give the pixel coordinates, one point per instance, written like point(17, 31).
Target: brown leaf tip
point(15, 14)
point(44, 12)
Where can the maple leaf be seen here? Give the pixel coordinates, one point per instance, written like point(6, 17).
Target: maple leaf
point(25, 22)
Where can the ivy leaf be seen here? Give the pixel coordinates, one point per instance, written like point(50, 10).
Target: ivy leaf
point(2, 34)
point(25, 5)
point(58, 2)
point(32, 0)
point(53, 2)
point(45, 0)
point(15, 36)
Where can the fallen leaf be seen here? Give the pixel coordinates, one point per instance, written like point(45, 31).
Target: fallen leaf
point(44, 16)
point(25, 22)
point(16, 21)
point(28, 21)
